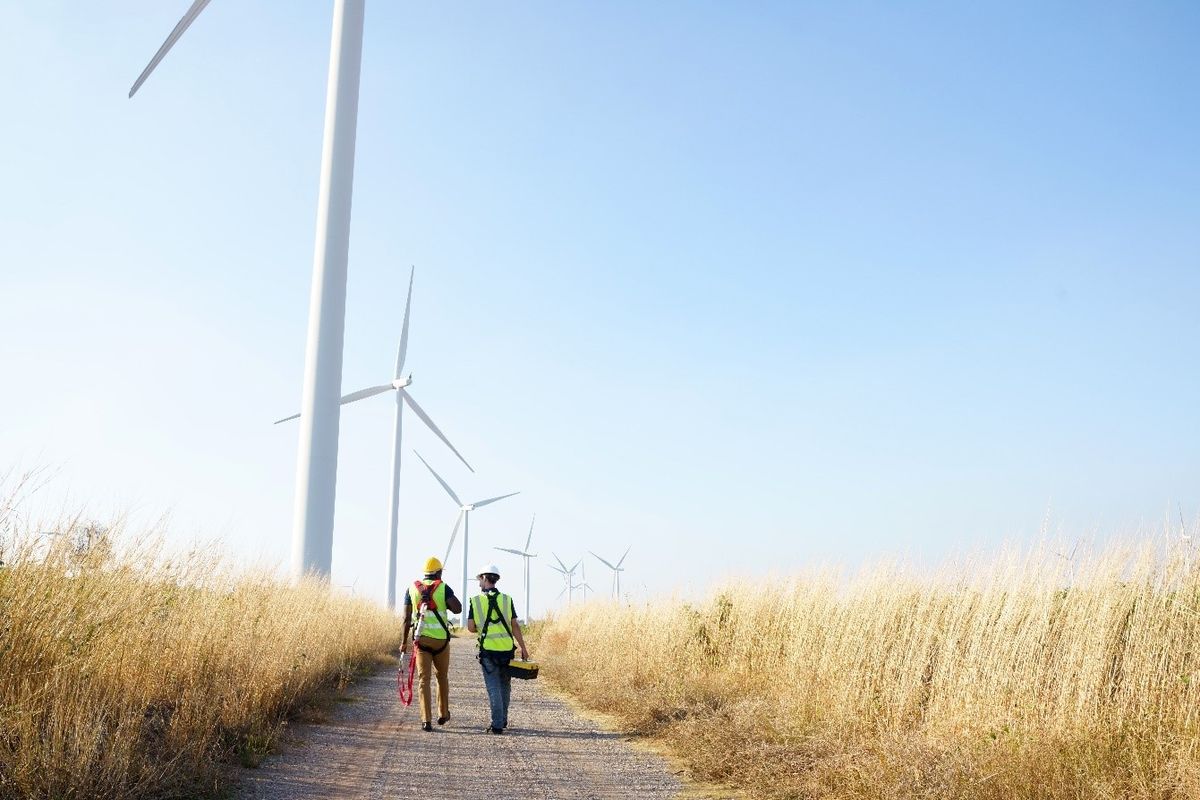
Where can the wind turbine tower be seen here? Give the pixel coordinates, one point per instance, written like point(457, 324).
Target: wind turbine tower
point(316, 461)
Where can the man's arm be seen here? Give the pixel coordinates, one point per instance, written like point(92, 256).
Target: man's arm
point(407, 622)
point(471, 620)
point(452, 601)
point(516, 629)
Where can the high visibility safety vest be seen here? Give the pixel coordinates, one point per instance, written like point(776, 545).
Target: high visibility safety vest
point(493, 623)
point(432, 627)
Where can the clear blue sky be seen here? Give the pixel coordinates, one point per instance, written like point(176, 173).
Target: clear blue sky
point(749, 286)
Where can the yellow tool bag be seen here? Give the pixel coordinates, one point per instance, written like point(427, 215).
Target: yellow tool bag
point(523, 670)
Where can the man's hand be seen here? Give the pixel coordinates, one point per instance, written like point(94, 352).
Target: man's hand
point(524, 654)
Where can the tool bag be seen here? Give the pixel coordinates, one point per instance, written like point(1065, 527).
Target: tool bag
point(523, 670)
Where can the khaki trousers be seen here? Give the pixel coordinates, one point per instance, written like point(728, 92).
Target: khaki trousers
point(426, 664)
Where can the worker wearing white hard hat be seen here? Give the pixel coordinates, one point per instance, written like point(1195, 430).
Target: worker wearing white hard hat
point(493, 618)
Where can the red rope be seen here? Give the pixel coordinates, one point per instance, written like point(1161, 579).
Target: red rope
point(405, 693)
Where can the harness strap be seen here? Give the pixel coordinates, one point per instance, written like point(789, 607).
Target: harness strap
point(493, 606)
point(428, 603)
point(418, 646)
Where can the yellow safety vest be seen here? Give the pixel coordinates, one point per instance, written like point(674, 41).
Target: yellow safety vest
point(497, 638)
point(431, 627)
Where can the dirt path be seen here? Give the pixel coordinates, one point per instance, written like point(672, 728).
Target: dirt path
point(374, 748)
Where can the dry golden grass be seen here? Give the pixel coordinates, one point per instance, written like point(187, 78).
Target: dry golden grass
point(129, 675)
point(1004, 682)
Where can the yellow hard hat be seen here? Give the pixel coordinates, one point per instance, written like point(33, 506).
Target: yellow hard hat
point(432, 565)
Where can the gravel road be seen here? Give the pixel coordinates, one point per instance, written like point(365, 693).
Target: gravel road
point(374, 748)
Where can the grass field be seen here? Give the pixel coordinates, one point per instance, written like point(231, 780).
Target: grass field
point(1027, 678)
point(129, 675)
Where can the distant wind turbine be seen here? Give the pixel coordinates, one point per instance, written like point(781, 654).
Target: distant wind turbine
point(617, 570)
point(316, 457)
point(525, 556)
point(464, 517)
point(583, 581)
point(568, 574)
point(572, 587)
point(398, 385)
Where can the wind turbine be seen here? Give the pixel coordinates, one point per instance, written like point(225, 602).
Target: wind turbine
point(525, 556)
point(584, 585)
point(617, 570)
point(464, 517)
point(568, 574)
point(571, 586)
point(398, 385)
point(316, 460)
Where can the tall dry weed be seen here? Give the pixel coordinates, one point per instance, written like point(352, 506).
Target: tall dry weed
point(1019, 679)
point(126, 674)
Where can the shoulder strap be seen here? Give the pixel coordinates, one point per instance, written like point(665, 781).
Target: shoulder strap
point(428, 603)
point(492, 606)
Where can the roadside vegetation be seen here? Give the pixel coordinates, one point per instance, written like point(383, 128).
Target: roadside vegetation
point(125, 673)
point(1031, 677)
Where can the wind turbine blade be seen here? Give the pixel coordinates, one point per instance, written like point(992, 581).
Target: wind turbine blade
point(560, 594)
point(560, 563)
point(453, 533)
point(179, 30)
point(577, 563)
point(491, 500)
point(610, 566)
point(556, 569)
point(445, 485)
point(403, 350)
point(364, 393)
point(530, 537)
point(509, 550)
point(350, 398)
point(622, 561)
point(420, 412)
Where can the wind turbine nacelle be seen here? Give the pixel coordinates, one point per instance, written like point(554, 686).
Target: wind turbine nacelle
point(400, 383)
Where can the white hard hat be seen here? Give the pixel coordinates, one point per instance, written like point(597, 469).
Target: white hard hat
point(488, 569)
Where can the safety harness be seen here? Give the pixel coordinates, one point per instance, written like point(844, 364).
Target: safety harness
point(428, 605)
point(493, 609)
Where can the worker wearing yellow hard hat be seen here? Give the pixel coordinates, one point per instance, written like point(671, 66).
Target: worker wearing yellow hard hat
point(427, 604)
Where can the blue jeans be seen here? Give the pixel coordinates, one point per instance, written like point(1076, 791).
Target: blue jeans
point(499, 689)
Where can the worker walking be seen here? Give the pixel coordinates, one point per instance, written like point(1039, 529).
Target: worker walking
point(425, 613)
point(493, 616)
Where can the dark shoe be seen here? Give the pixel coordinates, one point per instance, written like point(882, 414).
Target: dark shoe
point(426, 726)
point(495, 730)
point(443, 720)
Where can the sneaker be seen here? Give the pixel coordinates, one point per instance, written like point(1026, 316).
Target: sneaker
point(495, 730)
point(443, 720)
point(426, 726)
